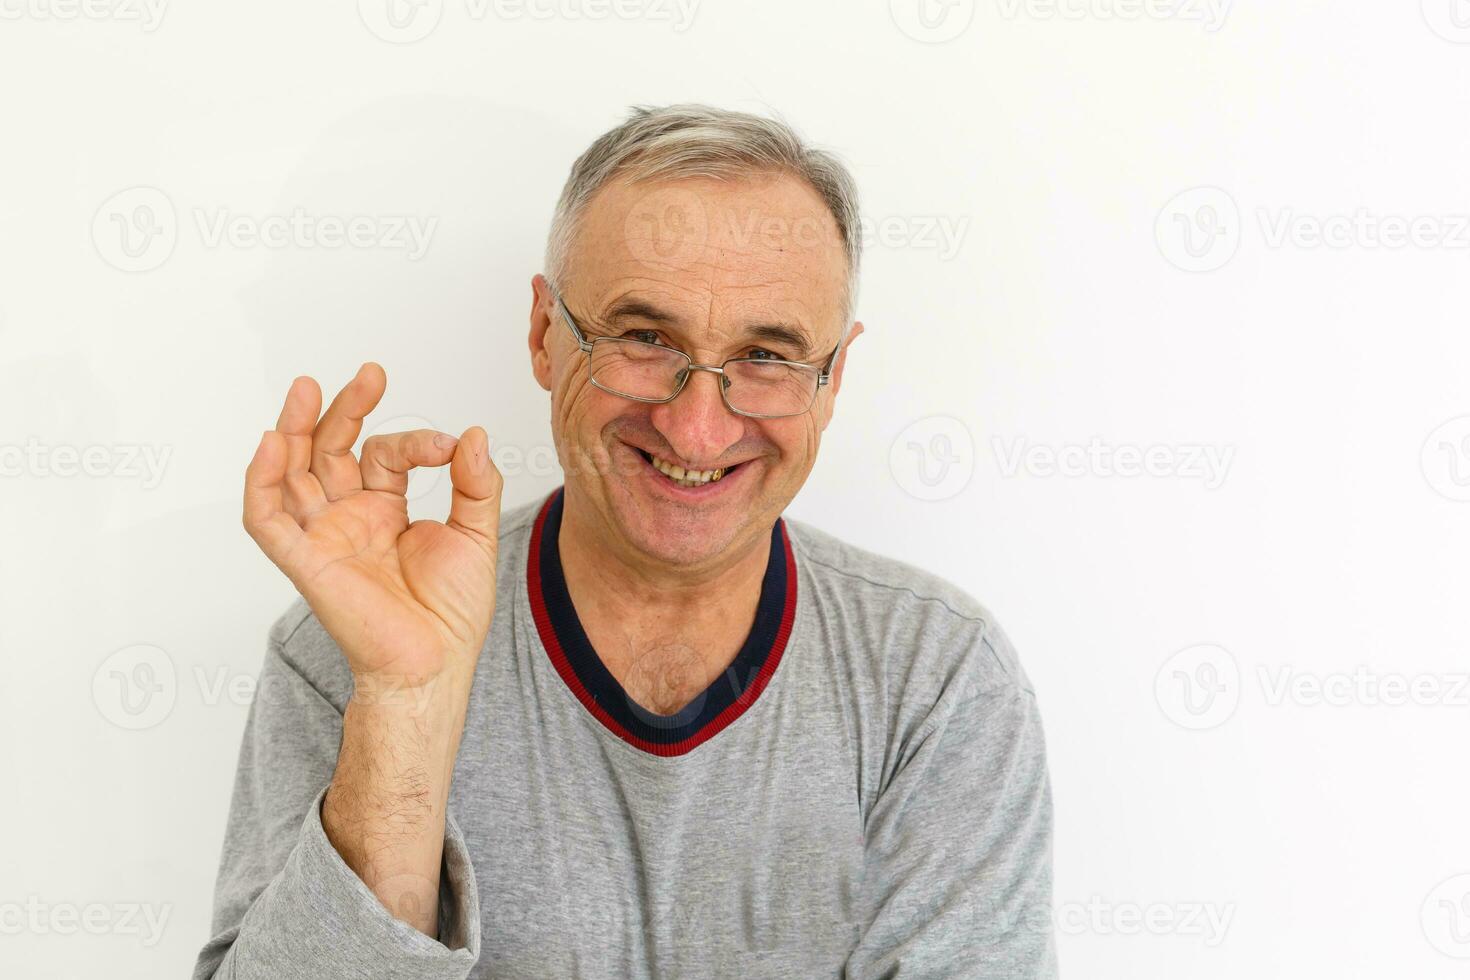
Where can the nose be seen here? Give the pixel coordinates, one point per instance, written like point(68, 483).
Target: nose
point(697, 425)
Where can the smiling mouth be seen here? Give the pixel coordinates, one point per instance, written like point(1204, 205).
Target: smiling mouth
point(686, 478)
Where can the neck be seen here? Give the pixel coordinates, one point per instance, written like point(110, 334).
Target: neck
point(647, 620)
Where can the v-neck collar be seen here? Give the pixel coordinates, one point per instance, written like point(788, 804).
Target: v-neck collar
point(579, 666)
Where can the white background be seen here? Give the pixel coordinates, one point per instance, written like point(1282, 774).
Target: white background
point(1130, 266)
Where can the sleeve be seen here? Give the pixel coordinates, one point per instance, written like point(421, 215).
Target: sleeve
point(286, 905)
point(958, 865)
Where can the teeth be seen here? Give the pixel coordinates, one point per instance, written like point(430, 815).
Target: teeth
point(686, 478)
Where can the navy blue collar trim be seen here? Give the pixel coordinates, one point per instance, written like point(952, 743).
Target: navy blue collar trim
point(583, 671)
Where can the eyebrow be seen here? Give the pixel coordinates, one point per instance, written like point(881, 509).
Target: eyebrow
point(773, 332)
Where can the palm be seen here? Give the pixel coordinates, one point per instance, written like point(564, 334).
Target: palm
point(397, 595)
point(403, 601)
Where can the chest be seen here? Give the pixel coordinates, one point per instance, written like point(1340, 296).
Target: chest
point(592, 858)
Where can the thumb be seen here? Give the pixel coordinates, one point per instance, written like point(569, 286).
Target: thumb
point(475, 504)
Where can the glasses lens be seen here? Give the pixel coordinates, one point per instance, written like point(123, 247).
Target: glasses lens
point(764, 387)
point(636, 369)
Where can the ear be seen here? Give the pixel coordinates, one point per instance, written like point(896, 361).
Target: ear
point(830, 404)
point(857, 329)
point(541, 315)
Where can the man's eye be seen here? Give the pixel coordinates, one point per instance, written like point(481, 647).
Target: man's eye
point(761, 354)
point(646, 336)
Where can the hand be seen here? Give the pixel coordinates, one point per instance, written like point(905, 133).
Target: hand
point(405, 602)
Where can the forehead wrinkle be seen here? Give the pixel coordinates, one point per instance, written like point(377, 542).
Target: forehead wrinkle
point(737, 324)
point(726, 277)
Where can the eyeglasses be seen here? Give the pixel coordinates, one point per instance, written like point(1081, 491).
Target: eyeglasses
point(756, 387)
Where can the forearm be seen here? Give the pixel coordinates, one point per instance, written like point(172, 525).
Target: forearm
point(384, 811)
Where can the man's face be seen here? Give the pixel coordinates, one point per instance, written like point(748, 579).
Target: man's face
point(708, 267)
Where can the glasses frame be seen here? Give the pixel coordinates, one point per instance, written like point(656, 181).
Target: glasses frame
point(824, 373)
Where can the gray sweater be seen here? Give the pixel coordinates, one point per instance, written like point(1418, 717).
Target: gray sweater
point(863, 794)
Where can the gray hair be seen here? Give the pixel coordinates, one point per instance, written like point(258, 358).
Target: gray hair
point(682, 141)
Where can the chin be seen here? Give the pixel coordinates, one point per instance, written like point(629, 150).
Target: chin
point(675, 536)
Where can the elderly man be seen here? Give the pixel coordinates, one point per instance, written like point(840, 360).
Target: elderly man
point(646, 727)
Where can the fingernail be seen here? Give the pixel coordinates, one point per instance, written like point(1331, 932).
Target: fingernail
point(445, 442)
